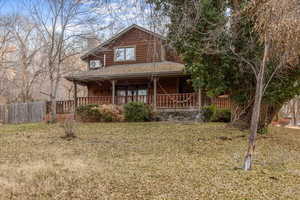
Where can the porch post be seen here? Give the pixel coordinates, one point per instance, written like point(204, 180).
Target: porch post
point(113, 82)
point(75, 96)
point(200, 98)
point(155, 93)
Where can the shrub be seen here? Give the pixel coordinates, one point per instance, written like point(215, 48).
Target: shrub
point(154, 116)
point(222, 115)
point(103, 113)
point(212, 113)
point(208, 112)
point(89, 113)
point(263, 131)
point(137, 112)
point(111, 113)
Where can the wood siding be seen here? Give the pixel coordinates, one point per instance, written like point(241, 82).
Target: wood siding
point(102, 88)
point(148, 49)
point(167, 85)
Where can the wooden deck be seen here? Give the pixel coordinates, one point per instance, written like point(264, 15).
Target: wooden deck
point(185, 101)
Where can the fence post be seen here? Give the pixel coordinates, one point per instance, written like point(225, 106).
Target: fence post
point(154, 93)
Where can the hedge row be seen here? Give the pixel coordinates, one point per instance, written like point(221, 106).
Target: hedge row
point(140, 112)
point(132, 112)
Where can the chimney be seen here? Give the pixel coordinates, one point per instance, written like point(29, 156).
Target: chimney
point(92, 42)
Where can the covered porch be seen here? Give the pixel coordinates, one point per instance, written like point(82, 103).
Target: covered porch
point(159, 102)
point(162, 85)
point(159, 92)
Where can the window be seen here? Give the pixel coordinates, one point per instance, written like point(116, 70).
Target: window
point(125, 54)
point(131, 93)
point(94, 64)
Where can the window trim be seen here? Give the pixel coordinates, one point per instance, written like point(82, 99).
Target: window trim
point(124, 47)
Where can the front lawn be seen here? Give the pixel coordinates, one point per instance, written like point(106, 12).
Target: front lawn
point(146, 161)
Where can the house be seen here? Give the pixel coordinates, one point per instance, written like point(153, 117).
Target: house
point(136, 65)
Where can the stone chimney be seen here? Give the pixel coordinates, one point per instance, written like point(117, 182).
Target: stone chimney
point(92, 42)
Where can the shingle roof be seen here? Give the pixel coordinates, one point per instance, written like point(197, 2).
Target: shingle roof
point(130, 70)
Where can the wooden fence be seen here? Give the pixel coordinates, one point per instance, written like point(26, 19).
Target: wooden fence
point(22, 112)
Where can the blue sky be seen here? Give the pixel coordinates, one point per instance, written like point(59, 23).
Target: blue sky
point(9, 6)
point(122, 13)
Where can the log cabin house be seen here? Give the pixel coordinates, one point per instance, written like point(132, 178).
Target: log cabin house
point(136, 65)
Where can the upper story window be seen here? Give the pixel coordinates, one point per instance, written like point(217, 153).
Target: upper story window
point(95, 64)
point(124, 54)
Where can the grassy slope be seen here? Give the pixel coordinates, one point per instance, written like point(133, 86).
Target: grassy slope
point(146, 161)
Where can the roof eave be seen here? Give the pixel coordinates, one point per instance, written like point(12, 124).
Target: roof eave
point(123, 76)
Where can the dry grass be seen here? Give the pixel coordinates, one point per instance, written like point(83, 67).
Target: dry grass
point(146, 161)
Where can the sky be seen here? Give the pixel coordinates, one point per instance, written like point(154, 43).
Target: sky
point(119, 14)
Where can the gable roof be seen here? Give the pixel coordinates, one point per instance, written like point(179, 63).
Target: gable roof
point(99, 48)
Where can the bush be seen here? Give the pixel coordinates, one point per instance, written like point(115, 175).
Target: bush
point(263, 131)
point(137, 112)
point(89, 113)
point(222, 115)
point(103, 113)
point(213, 114)
point(111, 113)
point(208, 112)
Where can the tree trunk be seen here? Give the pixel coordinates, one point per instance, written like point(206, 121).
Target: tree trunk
point(256, 110)
point(53, 110)
point(295, 109)
point(254, 126)
point(267, 115)
point(53, 101)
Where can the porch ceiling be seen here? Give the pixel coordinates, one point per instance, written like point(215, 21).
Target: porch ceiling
point(129, 71)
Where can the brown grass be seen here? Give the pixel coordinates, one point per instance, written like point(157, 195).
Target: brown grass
point(146, 161)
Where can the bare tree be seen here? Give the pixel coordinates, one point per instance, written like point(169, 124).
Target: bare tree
point(5, 51)
point(277, 24)
point(28, 63)
point(60, 23)
point(73, 64)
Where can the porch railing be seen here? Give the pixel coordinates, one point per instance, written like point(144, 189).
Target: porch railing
point(62, 107)
point(100, 100)
point(185, 100)
point(68, 106)
point(163, 101)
